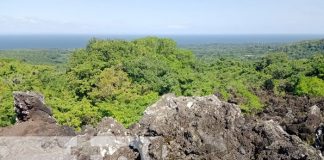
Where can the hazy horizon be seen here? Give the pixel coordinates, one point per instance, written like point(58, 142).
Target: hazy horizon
point(163, 35)
point(80, 41)
point(144, 17)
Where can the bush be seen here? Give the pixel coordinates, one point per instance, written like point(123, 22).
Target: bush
point(312, 86)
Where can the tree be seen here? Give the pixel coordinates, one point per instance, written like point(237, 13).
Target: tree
point(111, 83)
point(312, 86)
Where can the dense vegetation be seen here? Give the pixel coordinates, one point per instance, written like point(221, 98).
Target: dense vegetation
point(299, 50)
point(304, 49)
point(37, 56)
point(242, 50)
point(121, 78)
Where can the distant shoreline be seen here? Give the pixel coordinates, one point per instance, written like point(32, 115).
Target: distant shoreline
point(80, 41)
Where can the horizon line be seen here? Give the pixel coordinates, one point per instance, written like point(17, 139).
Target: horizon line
point(149, 34)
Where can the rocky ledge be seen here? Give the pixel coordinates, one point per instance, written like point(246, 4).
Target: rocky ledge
point(172, 128)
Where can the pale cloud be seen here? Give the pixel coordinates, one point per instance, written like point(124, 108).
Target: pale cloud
point(177, 26)
point(4, 19)
point(25, 24)
point(29, 20)
point(22, 20)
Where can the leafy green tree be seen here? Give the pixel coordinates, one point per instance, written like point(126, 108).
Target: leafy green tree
point(310, 86)
point(111, 83)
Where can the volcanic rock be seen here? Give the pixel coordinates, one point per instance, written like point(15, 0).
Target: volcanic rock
point(177, 128)
point(34, 118)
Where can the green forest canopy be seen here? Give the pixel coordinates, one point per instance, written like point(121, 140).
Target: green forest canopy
point(121, 78)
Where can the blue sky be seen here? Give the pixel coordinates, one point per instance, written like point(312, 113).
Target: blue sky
point(162, 17)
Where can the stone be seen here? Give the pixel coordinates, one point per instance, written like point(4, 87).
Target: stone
point(34, 118)
point(175, 128)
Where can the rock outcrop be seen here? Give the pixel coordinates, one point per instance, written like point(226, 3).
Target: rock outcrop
point(207, 128)
point(34, 118)
point(299, 116)
point(176, 128)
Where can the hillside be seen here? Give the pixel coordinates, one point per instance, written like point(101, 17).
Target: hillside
point(238, 50)
point(294, 50)
point(38, 56)
point(119, 79)
point(303, 49)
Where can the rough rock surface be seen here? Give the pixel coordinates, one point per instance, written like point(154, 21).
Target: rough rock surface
point(300, 116)
point(182, 128)
point(206, 128)
point(319, 139)
point(31, 107)
point(109, 127)
point(203, 128)
point(34, 118)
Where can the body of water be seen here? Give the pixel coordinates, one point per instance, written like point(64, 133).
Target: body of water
point(80, 41)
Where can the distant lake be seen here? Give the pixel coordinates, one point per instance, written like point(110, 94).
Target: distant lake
point(80, 41)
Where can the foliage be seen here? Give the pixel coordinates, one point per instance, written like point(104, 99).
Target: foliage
point(120, 78)
point(304, 49)
point(37, 56)
point(310, 86)
point(242, 50)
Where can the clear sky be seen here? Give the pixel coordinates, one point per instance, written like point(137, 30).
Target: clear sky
point(162, 17)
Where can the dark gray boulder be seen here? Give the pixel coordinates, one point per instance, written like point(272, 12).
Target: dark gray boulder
point(34, 118)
